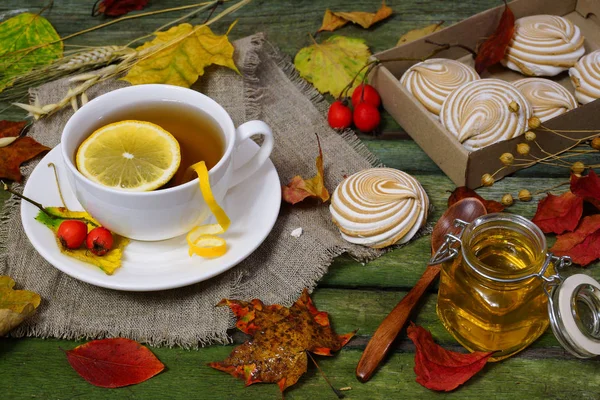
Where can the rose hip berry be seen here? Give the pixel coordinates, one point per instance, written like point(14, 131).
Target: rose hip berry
point(99, 241)
point(72, 233)
point(367, 94)
point(339, 116)
point(366, 117)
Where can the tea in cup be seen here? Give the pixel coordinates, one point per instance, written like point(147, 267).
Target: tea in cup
point(204, 131)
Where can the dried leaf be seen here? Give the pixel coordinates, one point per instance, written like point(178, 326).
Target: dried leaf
point(182, 62)
point(494, 48)
point(112, 363)
point(108, 263)
point(415, 34)
point(332, 64)
point(26, 31)
point(299, 189)
point(462, 192)
point(587, 187)
point(17, 152)
point(15, 305)
point(581, 244)
point(440, 369)
point(586, 251)
point(331, 22)
point(116, 8)
point(281, 338)
point(335, 20)
point(558, 214)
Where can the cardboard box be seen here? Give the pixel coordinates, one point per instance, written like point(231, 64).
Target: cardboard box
point(462, 167)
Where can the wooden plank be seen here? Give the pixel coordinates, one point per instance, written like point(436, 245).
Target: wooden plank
point(38, 369)
point(356, 296)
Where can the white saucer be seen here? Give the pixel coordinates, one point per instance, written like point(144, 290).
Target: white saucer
point(253, 207)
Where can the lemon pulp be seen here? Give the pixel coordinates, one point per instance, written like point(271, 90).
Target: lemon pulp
point(129, 155)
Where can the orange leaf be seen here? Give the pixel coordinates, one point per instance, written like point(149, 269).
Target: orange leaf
point(494, 48)
point(16, 153)
point(112, 363)
point(335, 20)
point(281, 337)
point(438, 368)
point(299, 189)
point(331, 22)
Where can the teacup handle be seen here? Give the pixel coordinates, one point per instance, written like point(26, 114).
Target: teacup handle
point(244, 132)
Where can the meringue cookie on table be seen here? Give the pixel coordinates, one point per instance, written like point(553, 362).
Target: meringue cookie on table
point(432, 80)
point(482, 112)
point(548, 98)
point(544, 45)
point(378, 207)
point(585, 76)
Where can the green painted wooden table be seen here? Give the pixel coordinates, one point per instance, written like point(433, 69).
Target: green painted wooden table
point(356, 295)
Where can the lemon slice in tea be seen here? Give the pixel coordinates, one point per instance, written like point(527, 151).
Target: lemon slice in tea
point(129, 155)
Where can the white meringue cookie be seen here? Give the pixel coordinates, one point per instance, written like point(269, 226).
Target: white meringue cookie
point(548, 98)
point(431, 81)
point(378, 207)
point(478, 113)
point(585, 76)
point(544, 45)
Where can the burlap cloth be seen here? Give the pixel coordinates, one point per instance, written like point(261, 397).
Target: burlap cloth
point(268, 89)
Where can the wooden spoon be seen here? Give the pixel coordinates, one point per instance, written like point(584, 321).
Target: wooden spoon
point(468, 210)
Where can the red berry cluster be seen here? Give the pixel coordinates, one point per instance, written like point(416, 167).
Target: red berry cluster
point(366, 102)
point(72, 233)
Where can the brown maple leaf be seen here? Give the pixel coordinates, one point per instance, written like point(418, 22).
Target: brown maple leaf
point(299, 189)
point(19, 151)
point(281, 338)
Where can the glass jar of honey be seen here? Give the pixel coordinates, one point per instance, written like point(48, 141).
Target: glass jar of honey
point(500, 289)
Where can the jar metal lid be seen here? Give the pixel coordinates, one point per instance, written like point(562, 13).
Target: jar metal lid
point(575, 315)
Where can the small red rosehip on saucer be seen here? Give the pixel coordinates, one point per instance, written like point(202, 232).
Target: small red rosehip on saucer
point(99, 241)
point(72, 233)
point(367, 94)
point(366, 117)
point(339, 115)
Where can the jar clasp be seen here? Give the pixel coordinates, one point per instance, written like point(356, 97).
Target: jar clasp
point(449, 249)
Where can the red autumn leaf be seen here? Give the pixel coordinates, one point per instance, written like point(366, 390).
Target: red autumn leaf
point(567, 241)
point(582, 244)
point(112, 363)
point(494, 48)
point(587, 187)
point(11, 128)
point(586, 251)
point(441, 369)
point(558, 214)
point(116, 8)
point(16, 153)
point(462, 192)
point(299, 189)
point(281, 338)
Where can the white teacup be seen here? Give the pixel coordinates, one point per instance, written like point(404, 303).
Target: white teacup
point(165, 213)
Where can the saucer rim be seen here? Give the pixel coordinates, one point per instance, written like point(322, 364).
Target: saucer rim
point(55, 156)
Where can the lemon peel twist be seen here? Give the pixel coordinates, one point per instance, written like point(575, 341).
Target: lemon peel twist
point(203, 239)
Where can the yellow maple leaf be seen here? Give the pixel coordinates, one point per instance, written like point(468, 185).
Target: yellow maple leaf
point(108, 263)
point(15, 305)
point(332, 64)
point(180, 55)
point(335, 20)
point(415, 34)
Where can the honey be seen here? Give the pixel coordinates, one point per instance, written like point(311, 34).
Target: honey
point(486, 298)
